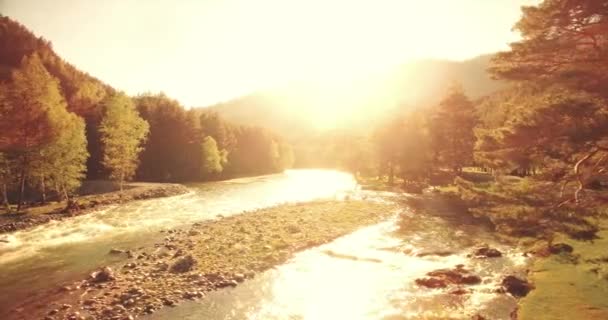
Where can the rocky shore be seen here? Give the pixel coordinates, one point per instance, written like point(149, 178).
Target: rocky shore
point(87, 204)
point(185, 264)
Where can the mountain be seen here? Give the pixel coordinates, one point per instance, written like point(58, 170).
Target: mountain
point(302, 109)
point(82, 91)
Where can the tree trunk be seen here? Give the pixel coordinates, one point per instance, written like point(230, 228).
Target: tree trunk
point(21, 189)
point(391, 173)
point(5, 198)
point(43, 189)
point(65, 194)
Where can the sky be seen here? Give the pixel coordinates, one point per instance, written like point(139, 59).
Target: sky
point(206, 51)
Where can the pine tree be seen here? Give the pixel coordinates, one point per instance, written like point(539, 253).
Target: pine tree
point(563, 41)
point(451, 127)
point(123, 132)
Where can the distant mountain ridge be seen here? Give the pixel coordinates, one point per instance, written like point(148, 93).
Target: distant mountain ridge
point(417, 84)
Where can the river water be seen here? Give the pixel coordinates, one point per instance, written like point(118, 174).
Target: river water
point(365, 275)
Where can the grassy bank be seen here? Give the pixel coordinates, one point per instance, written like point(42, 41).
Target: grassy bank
point(571, 287)
point(187, 263)
point(568, 285)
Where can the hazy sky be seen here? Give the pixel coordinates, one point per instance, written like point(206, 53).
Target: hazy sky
point(204, 51)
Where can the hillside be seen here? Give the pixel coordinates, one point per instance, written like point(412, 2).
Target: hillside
point(304, 109)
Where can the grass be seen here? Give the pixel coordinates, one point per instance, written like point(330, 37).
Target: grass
point(567, 289)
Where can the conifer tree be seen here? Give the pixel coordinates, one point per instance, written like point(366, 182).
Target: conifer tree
point(452, 126)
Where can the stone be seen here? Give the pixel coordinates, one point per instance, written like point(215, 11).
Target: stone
point(516, 287)
point(103, 275)
point(487, 252)
point(116, 251)
point(441, 278)
point(432, 283)
point(183, 264)
point(558, 248)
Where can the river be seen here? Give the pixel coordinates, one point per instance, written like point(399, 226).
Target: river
point(365, 275)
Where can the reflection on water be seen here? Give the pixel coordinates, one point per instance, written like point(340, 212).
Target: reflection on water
point(369, 274)
point(366, 275)
point(49, 254)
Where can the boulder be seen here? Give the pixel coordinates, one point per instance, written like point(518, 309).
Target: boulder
point(558, 248)
point(103, 275)
point(516, 286)
point(441, 278)
point(432, 283)
point(487, 252)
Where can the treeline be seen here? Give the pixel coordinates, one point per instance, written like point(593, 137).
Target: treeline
point(59, 126)
point(544, 139)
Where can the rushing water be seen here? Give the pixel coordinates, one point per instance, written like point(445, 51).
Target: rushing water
point(370, 274)
point(57, 252)
point(365, 275)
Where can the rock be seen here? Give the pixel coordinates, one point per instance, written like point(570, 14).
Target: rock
point(103, 275)
point(434, 253)
point(116, 251)
point(239, 277)
point(470, 280)
point(65, 306)
point(558, 248)
point(183, 264)
point(459, 291)
point(432, 283)
point(88, 302)
point(516, 286)
point(487, 252)
point(441, 278)
point(53, 312)
point(193, 233)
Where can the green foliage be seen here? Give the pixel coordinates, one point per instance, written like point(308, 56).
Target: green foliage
point(451, 126)
point(30, 107)
point(213, 159)
point(416, 157)
point(563, 41)
point(62, 164)
point(123, 132)
point(172, 149)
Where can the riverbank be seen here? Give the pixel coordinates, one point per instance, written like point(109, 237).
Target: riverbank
point(571, 285)
point(188, 263)
point(55, 211)
point(570, 277)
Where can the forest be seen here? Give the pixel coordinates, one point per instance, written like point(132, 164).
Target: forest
point(542, 138)
point(60, 126)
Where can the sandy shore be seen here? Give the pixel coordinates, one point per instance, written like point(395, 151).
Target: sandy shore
point(56, 211)
point(188, 263)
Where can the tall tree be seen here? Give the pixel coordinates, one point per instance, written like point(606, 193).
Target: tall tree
point(29, 107)
point(564, 55)
point(172, 149)
point(6, 166)
point(415, 161)
point(31, 112)
point(563, 41)
point(213, 158)
point(387, 140)
point(61, 165)
point(451, 126)
point(123, 132)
